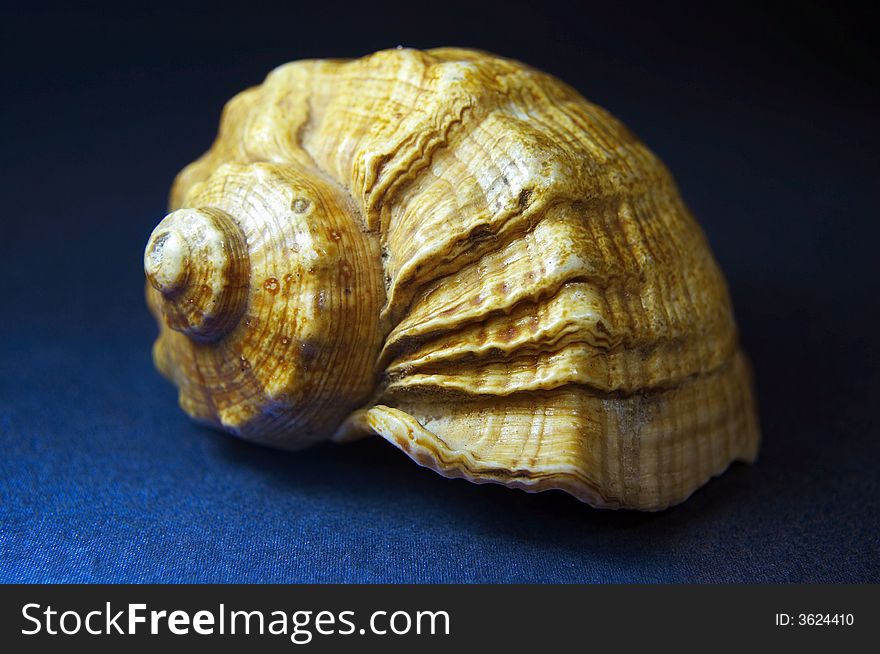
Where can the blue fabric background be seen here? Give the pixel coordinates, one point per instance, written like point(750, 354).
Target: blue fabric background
point(765, 118)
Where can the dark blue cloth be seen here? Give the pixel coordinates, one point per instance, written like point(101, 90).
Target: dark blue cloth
point(768, 129)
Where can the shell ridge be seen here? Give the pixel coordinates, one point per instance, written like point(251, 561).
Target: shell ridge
point(626, 420)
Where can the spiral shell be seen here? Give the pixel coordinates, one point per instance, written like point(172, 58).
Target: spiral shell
point(460, 254)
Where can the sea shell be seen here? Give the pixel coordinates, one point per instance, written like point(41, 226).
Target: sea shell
point(462, 255)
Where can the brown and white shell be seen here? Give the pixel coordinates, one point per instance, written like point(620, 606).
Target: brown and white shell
point(460, 254)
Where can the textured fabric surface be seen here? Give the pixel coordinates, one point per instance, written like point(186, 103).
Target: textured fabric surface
point(103, 478)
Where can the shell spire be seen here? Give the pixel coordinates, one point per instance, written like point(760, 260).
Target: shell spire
point(460, 254)
point(198, 260)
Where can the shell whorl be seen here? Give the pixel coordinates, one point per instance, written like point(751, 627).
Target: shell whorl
point(506, 268)
point(197, 259)
point(257, 290)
